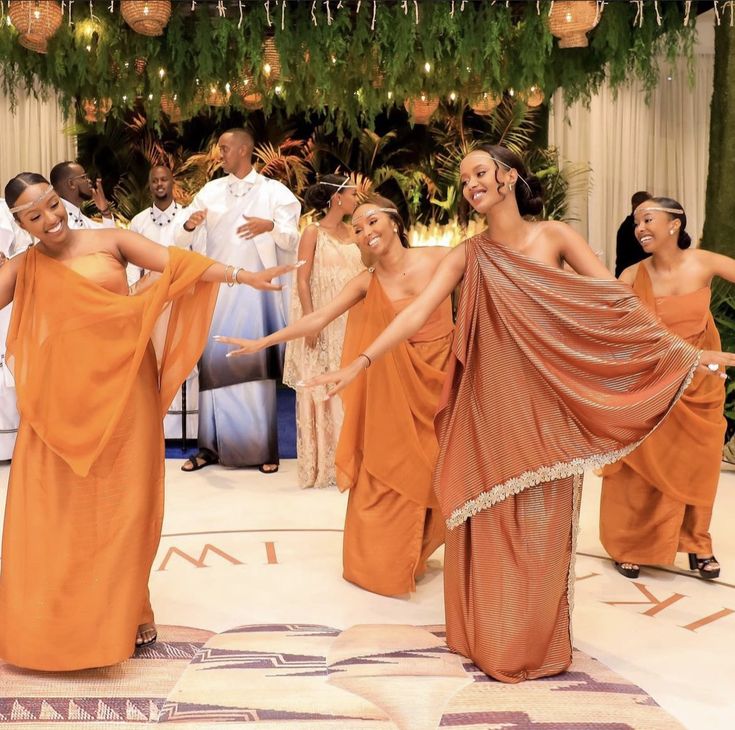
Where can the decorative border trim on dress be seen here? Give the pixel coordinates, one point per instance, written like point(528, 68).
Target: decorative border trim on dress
point(560, 470)
point(572, 574)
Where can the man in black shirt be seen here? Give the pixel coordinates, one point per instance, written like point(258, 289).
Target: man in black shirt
point(628, 251)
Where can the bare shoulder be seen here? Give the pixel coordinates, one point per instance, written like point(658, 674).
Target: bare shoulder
point(556, 230)
point(15, 262)
point(627, 276)
point(362, 280)
point(432, 253)
point(310, 232)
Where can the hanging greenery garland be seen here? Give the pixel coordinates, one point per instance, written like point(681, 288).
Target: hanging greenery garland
point(351, 59)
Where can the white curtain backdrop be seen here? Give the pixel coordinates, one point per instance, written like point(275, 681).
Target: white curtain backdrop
point(629, 145)
point(32, 137)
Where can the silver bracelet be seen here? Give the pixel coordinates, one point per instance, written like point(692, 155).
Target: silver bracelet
point(234, 276)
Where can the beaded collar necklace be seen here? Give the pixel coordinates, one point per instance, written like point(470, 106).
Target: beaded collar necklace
point(163, 218)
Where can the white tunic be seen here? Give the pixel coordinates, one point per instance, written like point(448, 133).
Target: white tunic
point(227, 201)
point(237, 398)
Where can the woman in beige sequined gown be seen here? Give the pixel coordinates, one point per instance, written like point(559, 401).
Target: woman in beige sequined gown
point(552, 372)
point(332, 259)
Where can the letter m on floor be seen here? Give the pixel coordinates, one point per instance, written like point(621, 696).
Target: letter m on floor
point(196, 562)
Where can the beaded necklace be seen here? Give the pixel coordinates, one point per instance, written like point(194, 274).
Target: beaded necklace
point(159, 221)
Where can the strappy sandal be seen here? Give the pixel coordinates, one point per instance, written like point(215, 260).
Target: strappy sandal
point(629, 570)
point(205, 456)
point(701, 564)
point(263, 470)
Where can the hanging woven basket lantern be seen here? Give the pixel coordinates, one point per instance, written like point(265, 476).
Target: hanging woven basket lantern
point(245, 89)
point(252, 101)
point(533, 97)
point(36, 21)
point(421, 108)
point(570, 21)
point(214, 96)
point(485, 104)
point(271, 61)
point(171, 108)
point(147, 17)
point(95, 110)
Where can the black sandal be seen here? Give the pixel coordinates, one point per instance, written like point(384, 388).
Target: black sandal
point(263, 470)
point(631, 573)
point(206, 456)
point(701, 564)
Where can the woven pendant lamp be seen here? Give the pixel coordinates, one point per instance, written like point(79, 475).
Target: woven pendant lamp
point(36, 21)
point(421, 108)
point(147, 17)
point(570, 21)
point(485, 104)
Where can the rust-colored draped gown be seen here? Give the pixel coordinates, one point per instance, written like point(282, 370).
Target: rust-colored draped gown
point(388, 447)
point(552, 373)
point(85, 498)
point(658, 500)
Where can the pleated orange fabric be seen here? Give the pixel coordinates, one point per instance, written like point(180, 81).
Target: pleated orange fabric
point(552, 373)
point(658, 500)
point(85, 498)
point(388, 447)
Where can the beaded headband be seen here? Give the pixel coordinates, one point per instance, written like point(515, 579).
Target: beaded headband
point(25, 206)
point(340, 186)
point(674, 211)
point(372, 212)
point(507, 167)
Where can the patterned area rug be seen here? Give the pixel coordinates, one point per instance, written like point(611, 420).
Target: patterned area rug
point(306, 677)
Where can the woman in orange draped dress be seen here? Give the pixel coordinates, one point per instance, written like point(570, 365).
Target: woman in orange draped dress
point(552, 372)
point(85, 497)
point(387, 447)
point(658, 500)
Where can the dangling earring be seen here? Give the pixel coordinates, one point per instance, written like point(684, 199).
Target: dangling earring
point(510, 187)
point(339, 202)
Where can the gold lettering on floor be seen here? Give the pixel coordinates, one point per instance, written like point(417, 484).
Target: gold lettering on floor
point(657, 606)
point(708, 619)
point(197, 563)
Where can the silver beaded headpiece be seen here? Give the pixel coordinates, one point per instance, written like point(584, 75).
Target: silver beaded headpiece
point(25, 206)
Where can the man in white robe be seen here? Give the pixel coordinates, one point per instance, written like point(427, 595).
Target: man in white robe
point(13, 240)
point(250, 221)
point(158, 223)
point(74, 187)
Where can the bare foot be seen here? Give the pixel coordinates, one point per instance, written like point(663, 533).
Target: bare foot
point(147, 634)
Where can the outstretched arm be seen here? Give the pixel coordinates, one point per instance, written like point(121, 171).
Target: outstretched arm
point(152, 256)
point(353, 291)
point(448, 274)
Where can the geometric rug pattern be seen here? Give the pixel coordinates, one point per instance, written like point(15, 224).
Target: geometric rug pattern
point(308, 677)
